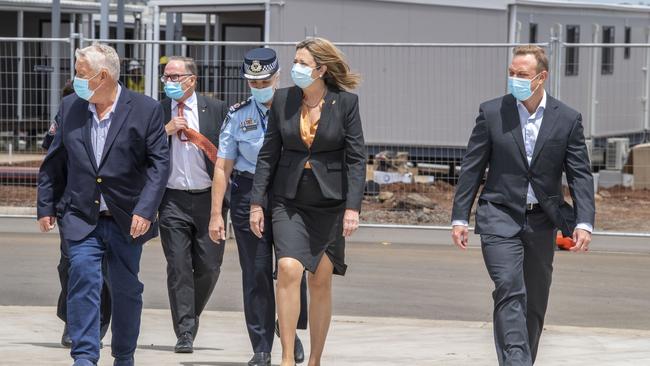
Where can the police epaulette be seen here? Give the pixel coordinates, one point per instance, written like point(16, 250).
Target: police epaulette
point(237, 106)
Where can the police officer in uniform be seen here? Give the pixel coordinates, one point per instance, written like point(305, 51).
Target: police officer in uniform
point(240, 141)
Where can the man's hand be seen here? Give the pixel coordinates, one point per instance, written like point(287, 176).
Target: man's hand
point(582, 238)
point(257, 220)
point(217, 228)
point(46, 223)
point(350, 222)
point(139, 226)
point(176, 124)
point(460, 236)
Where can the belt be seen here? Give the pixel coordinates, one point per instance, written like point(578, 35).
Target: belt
point(530, 207)
point(247, 175)
point(193, 191)
point(105, 213)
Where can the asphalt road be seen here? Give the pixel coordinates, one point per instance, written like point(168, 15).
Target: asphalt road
point(414, 281)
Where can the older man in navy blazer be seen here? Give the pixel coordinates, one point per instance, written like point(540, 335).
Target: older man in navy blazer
point(107, 169)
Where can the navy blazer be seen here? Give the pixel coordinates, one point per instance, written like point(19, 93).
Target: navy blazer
point(131, 176)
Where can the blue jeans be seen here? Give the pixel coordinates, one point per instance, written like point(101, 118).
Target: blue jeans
point(84, 288)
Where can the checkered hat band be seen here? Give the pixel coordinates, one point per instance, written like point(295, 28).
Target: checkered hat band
point(265, 68)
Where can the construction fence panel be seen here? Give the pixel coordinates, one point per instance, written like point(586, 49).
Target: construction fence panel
point(418, 106)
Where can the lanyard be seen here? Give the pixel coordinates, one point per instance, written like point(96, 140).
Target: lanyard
point(263, 117)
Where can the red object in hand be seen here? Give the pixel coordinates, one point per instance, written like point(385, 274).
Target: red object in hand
point(564, 243)
point(195, 137)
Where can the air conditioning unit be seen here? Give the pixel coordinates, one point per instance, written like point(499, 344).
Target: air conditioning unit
point(616, 155)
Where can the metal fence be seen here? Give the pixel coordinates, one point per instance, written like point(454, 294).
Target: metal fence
point(418, 105)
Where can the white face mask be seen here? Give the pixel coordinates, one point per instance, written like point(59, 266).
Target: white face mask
point(520, 88)
point(301, 75)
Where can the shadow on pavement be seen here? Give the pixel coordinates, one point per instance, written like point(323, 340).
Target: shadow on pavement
point(208, 363)
point(153, 347)
point(45, 345)
point(149, 348)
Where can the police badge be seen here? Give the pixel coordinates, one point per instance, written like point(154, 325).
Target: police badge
point(256, 67)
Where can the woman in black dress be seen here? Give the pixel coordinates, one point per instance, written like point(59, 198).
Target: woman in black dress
point(314, 159)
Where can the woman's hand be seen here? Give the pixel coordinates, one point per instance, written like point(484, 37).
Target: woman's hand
point(217, 228)
point(350, 222)
point(257, 220)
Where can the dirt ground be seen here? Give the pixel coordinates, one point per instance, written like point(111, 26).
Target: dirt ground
point(617, 209)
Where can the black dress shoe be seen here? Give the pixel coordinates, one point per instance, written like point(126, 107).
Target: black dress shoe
point(184, 344)
point(66, 341)
point(298, 350)
point(260, 359)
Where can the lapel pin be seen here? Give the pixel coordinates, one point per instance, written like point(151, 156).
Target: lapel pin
point(333, 102)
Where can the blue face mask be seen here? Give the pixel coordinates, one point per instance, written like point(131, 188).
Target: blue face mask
point(301, 75)
point(263, 95)
point(81, 87)
point(174, 90)
point(520, 88)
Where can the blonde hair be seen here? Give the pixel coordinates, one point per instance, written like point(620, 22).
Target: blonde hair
point(538, 52)
point(338, 72)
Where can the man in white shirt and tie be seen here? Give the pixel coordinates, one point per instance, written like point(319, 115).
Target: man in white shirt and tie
point(527, 139)
point(193, 259)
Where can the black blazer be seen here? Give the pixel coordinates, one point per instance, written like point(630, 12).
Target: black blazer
point(212, 113)
point(131, 176)
point(497, 141)
point(337, 155)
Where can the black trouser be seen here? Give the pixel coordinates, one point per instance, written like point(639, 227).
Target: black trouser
point(62, 305)
point(521, 268)
point(256, 261)
point(193, 259)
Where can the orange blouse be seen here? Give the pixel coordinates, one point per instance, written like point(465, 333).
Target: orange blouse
point(308, 129)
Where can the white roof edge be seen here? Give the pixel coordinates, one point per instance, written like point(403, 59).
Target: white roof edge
point(475, 4)
point(583, 5)
point(68, 5)
point(204, 2)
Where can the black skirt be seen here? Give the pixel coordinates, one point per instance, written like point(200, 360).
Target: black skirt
point(309, 225)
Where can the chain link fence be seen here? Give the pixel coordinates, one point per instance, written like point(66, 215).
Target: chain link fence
point(418, 105)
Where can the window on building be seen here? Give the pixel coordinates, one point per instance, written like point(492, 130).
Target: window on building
point(572, 58)
point(532, 33)
point(607, 54)
point(628, 39)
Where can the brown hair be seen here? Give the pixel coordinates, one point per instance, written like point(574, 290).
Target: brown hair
point(538, 52)
point(338, 72)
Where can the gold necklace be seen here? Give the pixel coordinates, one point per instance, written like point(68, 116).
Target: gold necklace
point(304, 101)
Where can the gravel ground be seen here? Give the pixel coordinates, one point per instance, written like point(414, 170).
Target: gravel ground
point(617, 209)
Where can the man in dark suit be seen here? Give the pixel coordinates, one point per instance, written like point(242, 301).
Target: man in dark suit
point(527, 139)
point(64, 260)
point(193, 259)
point(107, 168)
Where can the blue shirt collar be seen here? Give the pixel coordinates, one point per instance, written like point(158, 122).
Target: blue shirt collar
point(93, 108)
point(263, 108)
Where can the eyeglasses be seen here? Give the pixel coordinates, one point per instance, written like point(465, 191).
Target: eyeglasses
point(173, 77)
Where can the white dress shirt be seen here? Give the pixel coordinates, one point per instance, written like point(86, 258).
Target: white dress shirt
point(188, 169)
point(530, 126)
